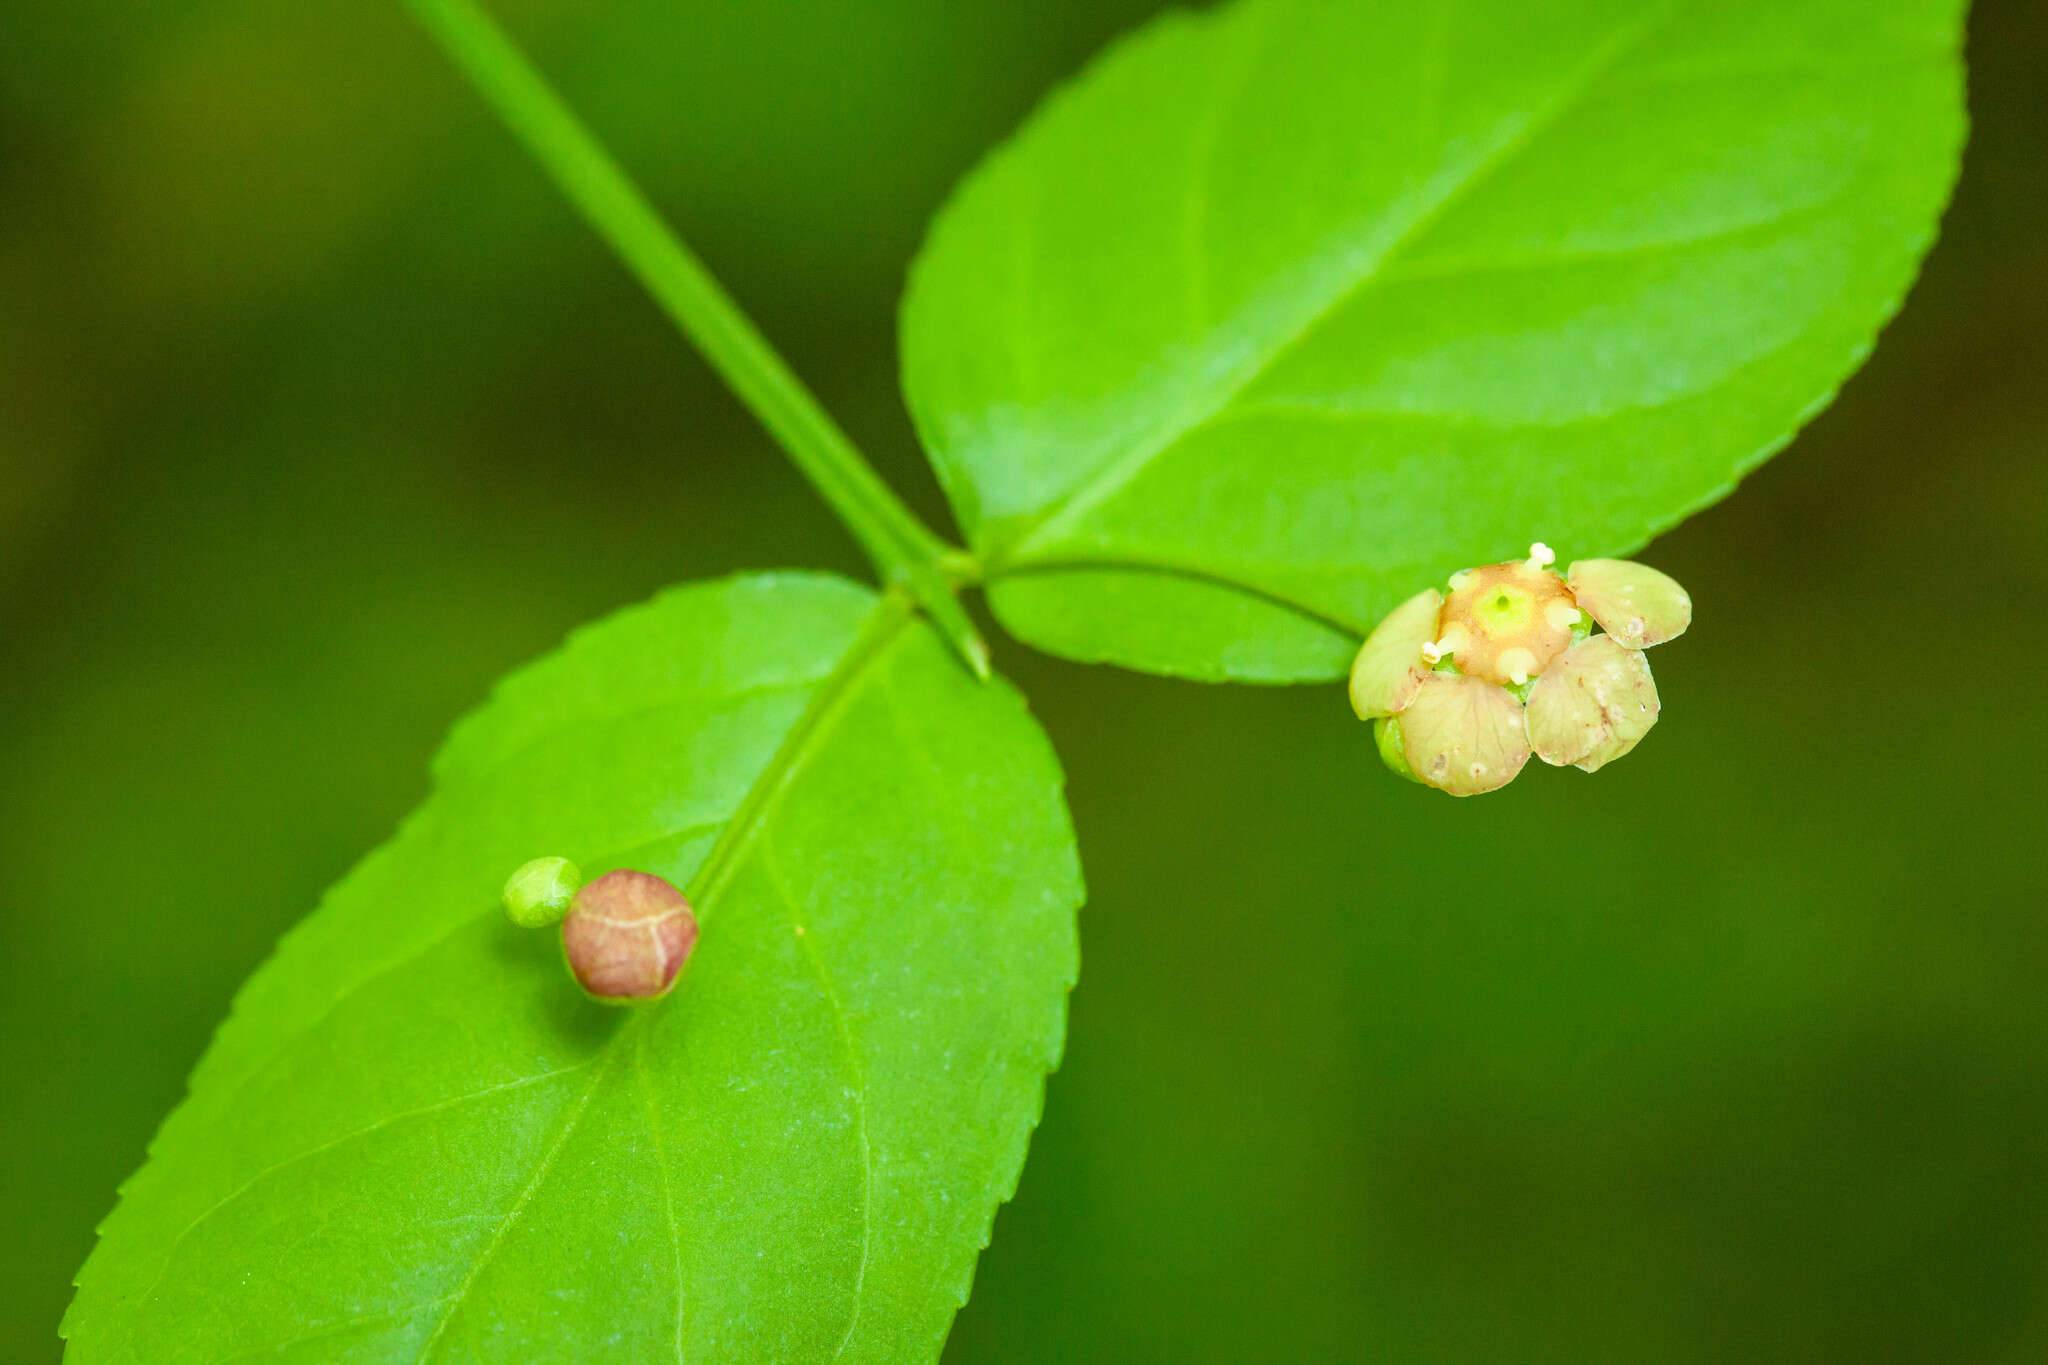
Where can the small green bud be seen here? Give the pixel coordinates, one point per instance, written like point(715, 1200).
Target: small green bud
point(540, 892)
point(1386, 733)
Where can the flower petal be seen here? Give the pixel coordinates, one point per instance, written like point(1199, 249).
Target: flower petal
point(1464, 735)
point(1593, 706)
point(1632, 602)
point(1389, 667)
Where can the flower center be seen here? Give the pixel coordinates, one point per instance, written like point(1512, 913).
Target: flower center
point(1507, 622)
point(1503, 609)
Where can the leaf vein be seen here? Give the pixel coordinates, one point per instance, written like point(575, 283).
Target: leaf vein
point(1232, 78)
point(1319, 408)
point(668, 1203)
point(1118, 472)
point(1132, 564)
point(711, 700)
point(171, 1253)
point(858, 1091)
point(540, 1174)
point(1461, 267)
point(333, 1329)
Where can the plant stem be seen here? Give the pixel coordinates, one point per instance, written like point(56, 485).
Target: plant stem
point(902, 548)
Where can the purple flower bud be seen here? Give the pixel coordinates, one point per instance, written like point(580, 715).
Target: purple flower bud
point(627, 935)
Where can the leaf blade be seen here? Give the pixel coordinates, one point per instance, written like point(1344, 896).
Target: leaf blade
point(765, 1164)
point(1317, 303)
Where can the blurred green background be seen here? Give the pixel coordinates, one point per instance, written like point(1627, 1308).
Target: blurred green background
point(318, 411)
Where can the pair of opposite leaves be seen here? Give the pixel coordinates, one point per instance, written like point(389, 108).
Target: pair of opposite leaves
point(1276, 315)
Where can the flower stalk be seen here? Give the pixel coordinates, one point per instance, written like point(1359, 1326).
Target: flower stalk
point(903, 549)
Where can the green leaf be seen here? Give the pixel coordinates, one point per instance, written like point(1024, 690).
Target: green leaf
point(1284, 312)
point(415, 1140)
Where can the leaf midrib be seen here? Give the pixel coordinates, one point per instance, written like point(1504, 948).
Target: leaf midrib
point(885, 622)
point(1057, 517)
point(891, 614)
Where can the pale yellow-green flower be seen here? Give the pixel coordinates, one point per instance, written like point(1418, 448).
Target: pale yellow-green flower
point(1463, 687)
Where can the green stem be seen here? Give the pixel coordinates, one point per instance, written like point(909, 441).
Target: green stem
point(902, 548)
